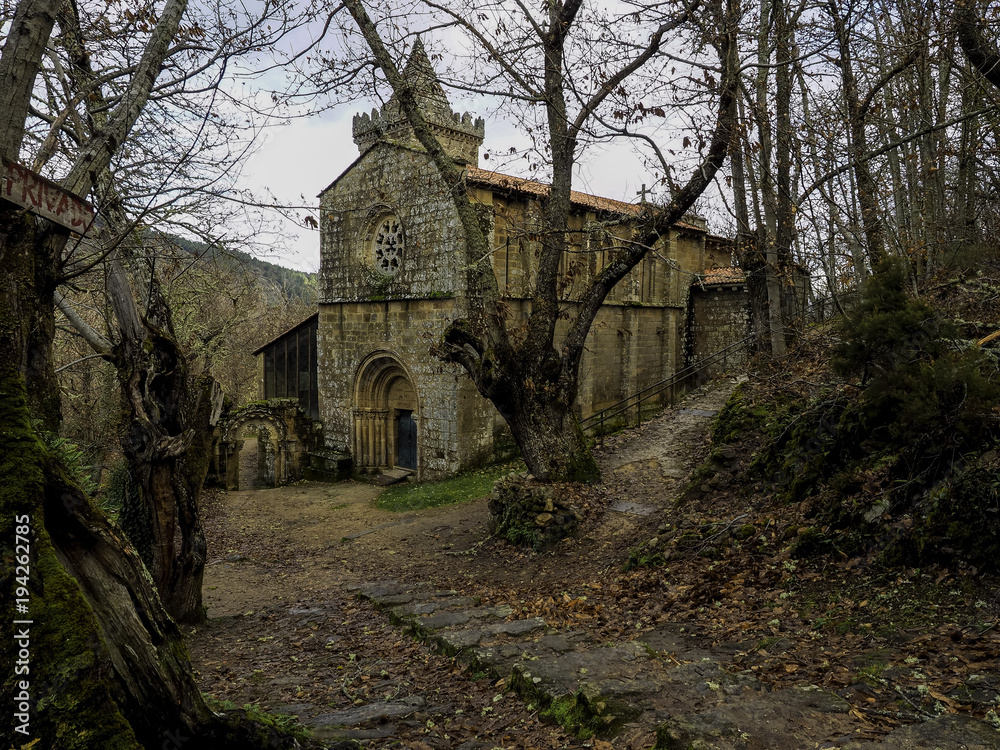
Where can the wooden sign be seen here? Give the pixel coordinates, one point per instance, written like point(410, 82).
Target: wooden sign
point(43, 197)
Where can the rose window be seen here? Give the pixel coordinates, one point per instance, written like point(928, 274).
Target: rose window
point(387, 245)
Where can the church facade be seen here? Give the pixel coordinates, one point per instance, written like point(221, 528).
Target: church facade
point(392, 278)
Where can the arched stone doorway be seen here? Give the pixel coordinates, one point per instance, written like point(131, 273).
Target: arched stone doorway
point(264, 445)
point(253, 445)
point(257, 453)
point(385, 416)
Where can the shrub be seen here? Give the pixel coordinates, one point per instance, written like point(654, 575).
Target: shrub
point(922, 387)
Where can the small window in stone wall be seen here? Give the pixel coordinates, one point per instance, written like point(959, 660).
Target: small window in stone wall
point(501, 255)
point(647, 280)
point(387, 244)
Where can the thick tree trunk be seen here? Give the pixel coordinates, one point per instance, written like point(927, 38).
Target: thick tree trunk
point(184, 597)
point(982, 51)
point(552, 444)
point(754, 264)
point(105, 664)
point(165, 441)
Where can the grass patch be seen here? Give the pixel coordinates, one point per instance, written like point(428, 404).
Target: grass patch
point(464, 487)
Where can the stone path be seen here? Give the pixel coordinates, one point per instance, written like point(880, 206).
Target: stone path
point(667, 439)
point(656, 691)
point(659, 690)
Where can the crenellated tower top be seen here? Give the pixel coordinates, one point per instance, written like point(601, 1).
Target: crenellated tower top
point(460, 135)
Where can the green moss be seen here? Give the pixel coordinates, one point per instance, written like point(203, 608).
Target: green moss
point(587, 713)
point(68, 677)
point(568, 713)
point(649, 554)
point(958, 520)
point(738, 418)
point(812, 541)
point(285, 724)
point(702, 473)
point(872, 674)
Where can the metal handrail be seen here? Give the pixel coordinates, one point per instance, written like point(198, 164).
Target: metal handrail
point(636, 399)
point(598, 419)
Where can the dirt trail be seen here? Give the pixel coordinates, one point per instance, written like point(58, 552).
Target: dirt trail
point(313, 535)
point(288, 633)
point(285, 634)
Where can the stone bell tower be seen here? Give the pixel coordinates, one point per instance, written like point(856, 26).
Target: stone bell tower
point(460, 136)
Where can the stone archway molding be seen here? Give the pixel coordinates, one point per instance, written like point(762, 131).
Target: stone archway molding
point(286, 437)
point(383, 392)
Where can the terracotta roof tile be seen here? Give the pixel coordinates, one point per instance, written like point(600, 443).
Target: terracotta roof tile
point(585, 200)
point(729, 275)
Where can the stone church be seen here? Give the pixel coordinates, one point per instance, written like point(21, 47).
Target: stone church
point(392, 278)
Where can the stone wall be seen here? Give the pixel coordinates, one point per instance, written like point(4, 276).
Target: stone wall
point(387, 180)
point(662, 279)
point(530, 514)
point(394, 314)
point(719, 317)
point(366, 314)
point(454, 423)
point(277, 431)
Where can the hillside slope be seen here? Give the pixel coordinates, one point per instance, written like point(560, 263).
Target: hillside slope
point(885, 426)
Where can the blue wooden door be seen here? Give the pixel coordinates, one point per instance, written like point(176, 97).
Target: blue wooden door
point(406, 441)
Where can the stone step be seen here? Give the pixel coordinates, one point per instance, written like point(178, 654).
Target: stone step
point(792, 719)
point(392, 476)
point(658, 690)
point(590, 687)
point(947, 731)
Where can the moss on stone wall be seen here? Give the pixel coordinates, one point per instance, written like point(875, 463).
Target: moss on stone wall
point(529, 514)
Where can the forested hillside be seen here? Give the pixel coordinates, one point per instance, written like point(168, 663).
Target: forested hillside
point(287, 283)
point(878, 439)
point(224, 303)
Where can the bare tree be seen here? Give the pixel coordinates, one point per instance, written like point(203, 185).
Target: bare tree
point(173, 170)
point(532, 375)
point(109, 667)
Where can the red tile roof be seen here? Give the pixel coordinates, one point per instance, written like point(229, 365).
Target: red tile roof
point(509, 182)
point(729, 275)
point(594, 202)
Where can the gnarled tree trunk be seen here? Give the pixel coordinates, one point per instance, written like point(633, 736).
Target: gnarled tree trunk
point(106, 665)
point(168, 416)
